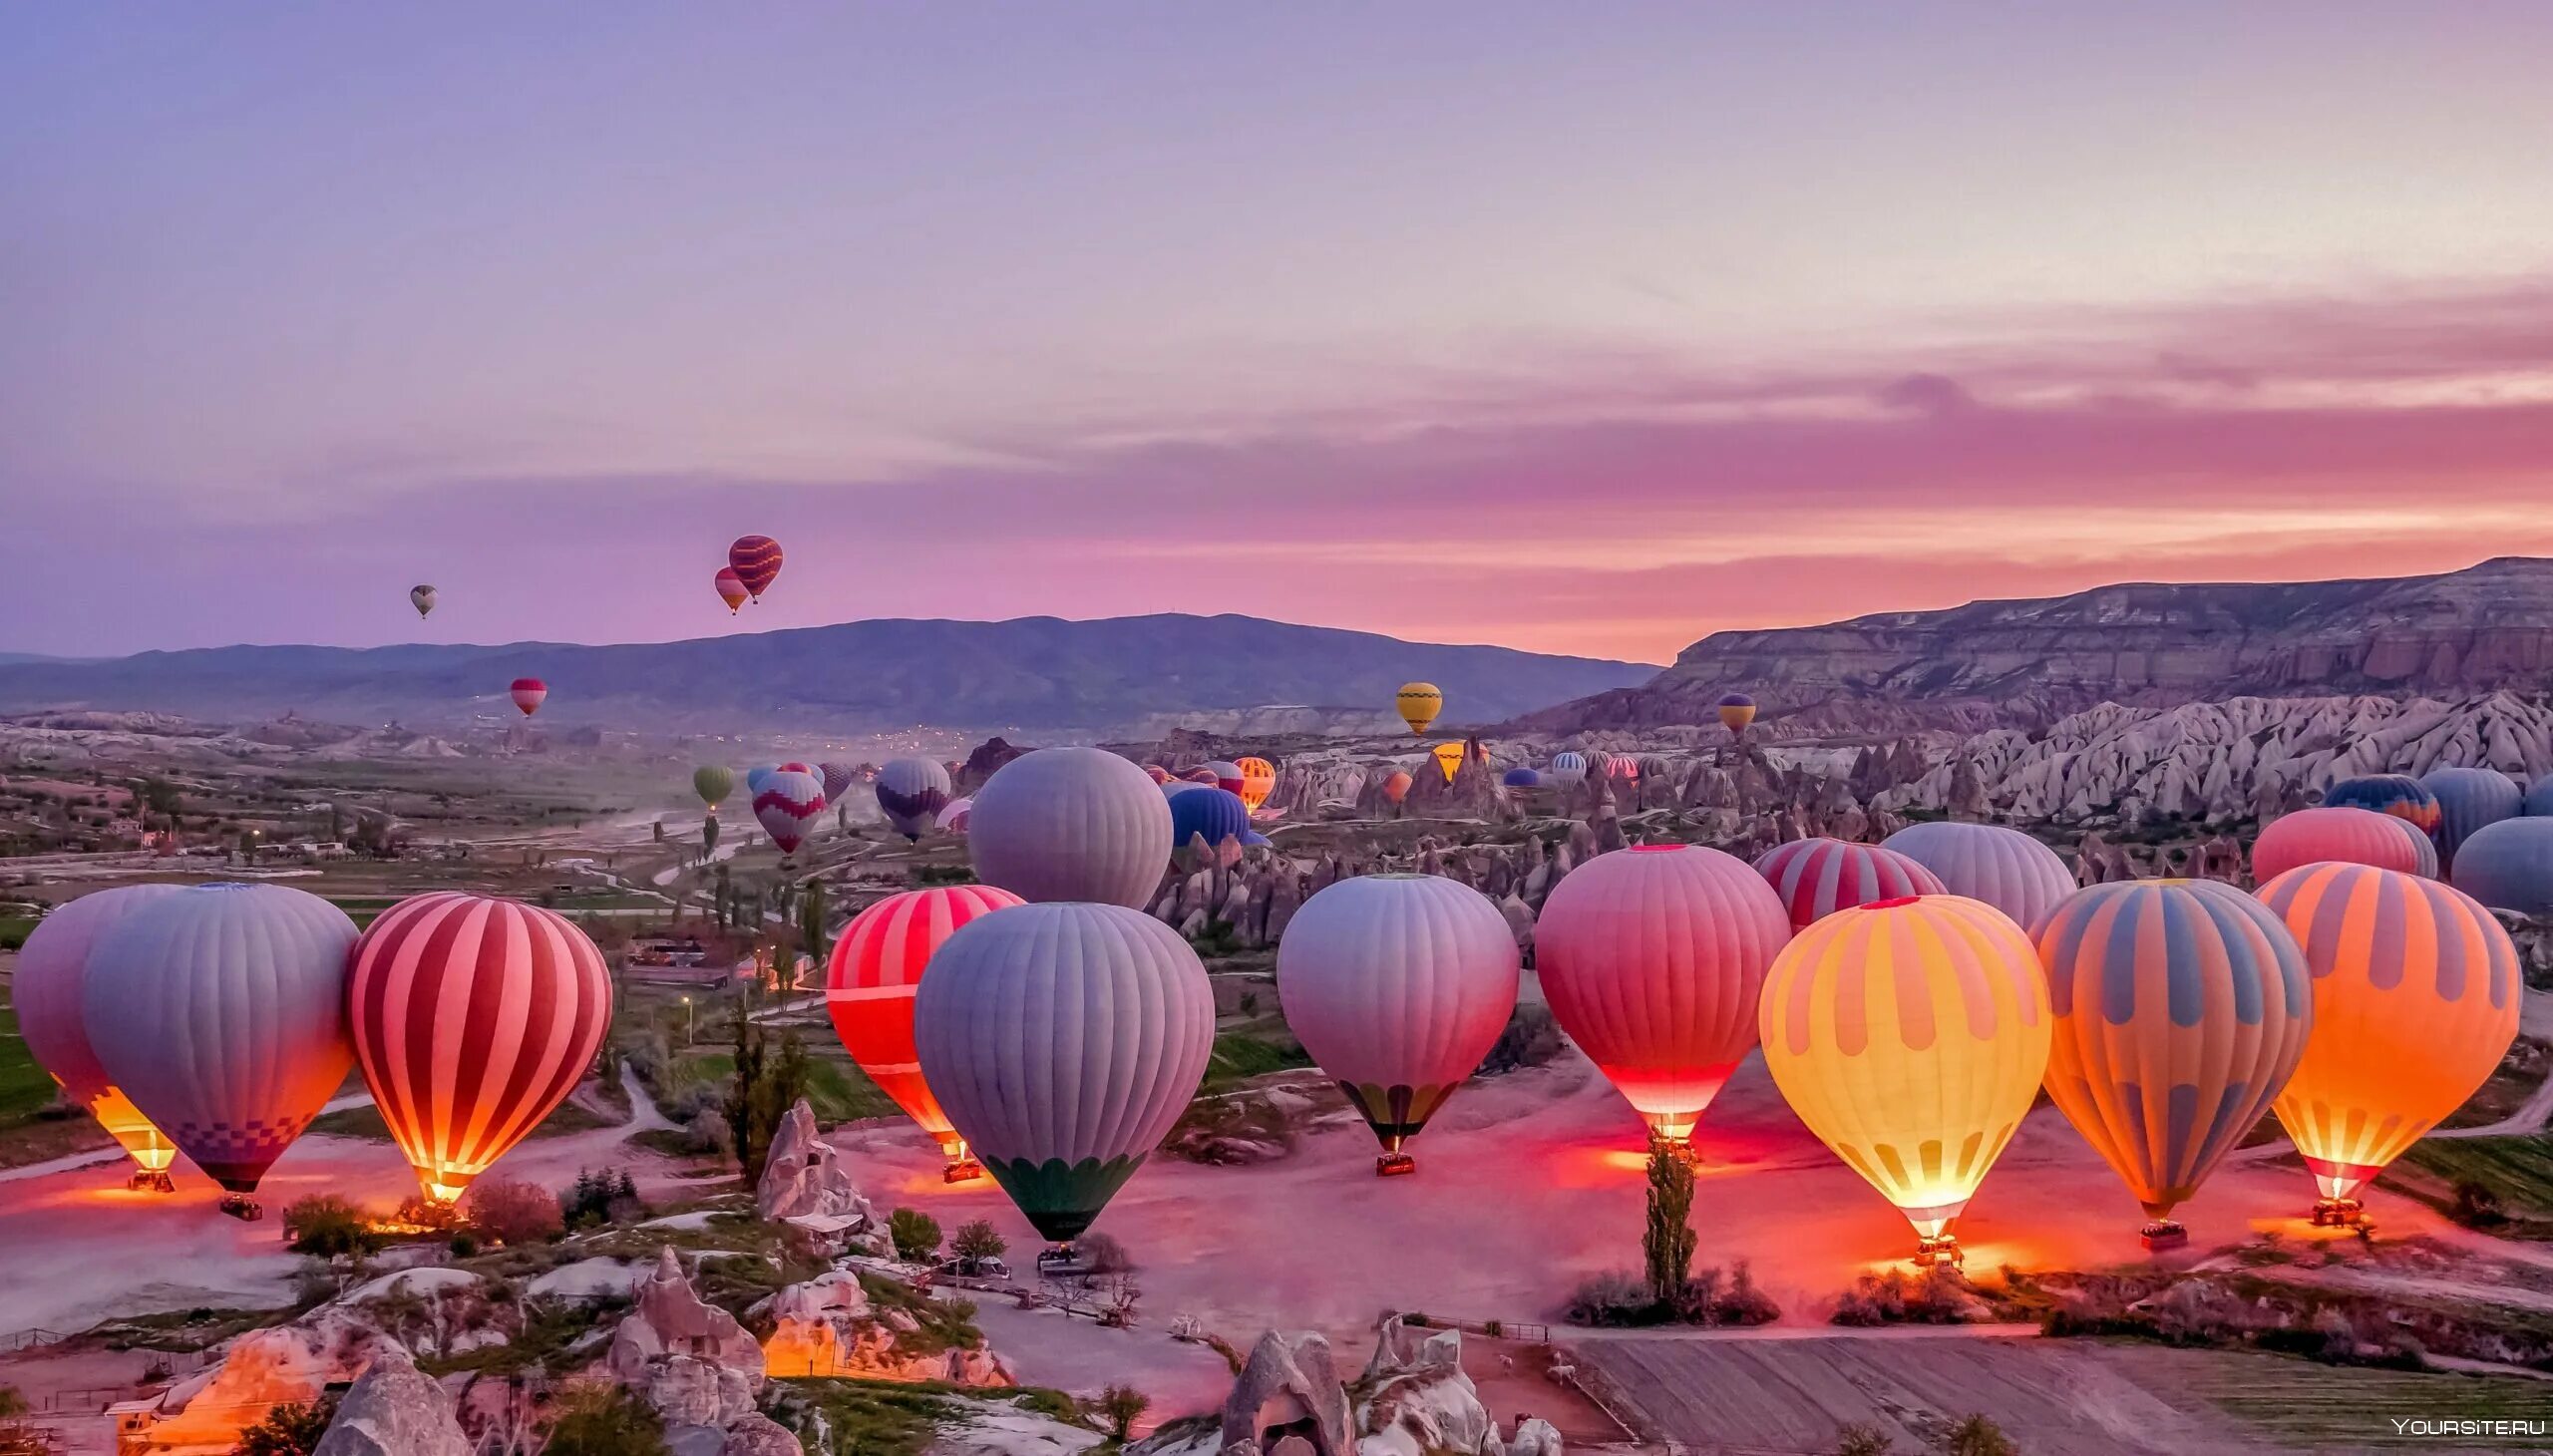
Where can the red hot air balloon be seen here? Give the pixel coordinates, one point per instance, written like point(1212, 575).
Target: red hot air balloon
point(731, 588)
point(876, 966)
point(527, 693)
point(756, 562)
point(789, 802)
point(1816, 878)
point(473, 1018)
point(2341, 835)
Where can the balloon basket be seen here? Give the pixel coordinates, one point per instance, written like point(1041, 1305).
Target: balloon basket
point(964, 1170)
point(1061, 1261)
point(2340, 1213)
point(1394, 1165)
point(152, 1180)
point(2164, 1233)
point(244, 1208)
point(1935, 1252)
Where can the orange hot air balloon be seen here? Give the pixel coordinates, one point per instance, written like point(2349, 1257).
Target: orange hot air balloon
point(527, 693)
point(1449, 757)
point(2415, 1001)
point(1737, 711)
point(2181, 1008)
point(1396, 785)
point(473, 1018)
point(877, 967)
point(1258, 781)
point(1910, 1036)
point(731, 589)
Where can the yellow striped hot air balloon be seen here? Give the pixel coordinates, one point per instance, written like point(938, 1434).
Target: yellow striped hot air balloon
point(1258, 781)
point(2415, 1001)
point(1420, 703)
point(1911, 1034)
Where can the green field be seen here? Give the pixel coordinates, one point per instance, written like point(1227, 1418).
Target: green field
point(25, 1089)
point(2518, 1171)
point(365, 1122)
point(2297, 1401)
point(835, 1088)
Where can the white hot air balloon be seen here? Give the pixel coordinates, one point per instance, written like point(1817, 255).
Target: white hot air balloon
point(47, 991)
point(1397, 984)
point(2002, 867)
point(1071, 824)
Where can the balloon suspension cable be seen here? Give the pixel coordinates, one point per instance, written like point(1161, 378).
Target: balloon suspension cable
point(2340, 1213)
point(2164, 1233)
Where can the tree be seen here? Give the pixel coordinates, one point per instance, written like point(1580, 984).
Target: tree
point(512, 1211)
point(1118, 1408)
point(975, 1242)
point(916, 1235)
point(327, 1225)
point(762, 1089)
point(18, 1434)
point(1666, 1246)
point(289, 1431)
point(811, 921)
point(1977, 1436)
point(607, 1420)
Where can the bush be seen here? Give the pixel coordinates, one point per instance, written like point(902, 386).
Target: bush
point(708, 1135)
point(600, 1197)
point(515, 1211)
point(607, 1421)
point(289, 1431)
point(916, 1235)
point(328, 1226)
point(1532, 1038)
point(1938, 1295)
point(1118, 1408)
point(1103, 1255)
point(1977, 1436)
point(1614, 1297)
point(1862, 1440)
point(2476, 1207)
point(975, 1242)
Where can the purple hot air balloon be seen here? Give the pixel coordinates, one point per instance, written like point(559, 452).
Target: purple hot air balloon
point(911, 791)
point(837, 777)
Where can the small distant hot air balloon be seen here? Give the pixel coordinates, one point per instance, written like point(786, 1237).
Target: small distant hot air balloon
point(1570, 769)
point(1521, 777)
point(422, 597)
point(1203, 774)
point(1258, 781)
point(801, 766)
point(2539, 798)
point(1396, 785)
point(2399, 795)
point(1449, 759)
point(911, 791)
point(1071, 824)
point(1397, 985)
point(877, 967)
point(786, 807)
point(756, 562)
point(2350, 836)
point(1228, 776)
point(1737, 710)
point(1211, 814)
point(1910, 1036)
point(1158, 774)
point(1418, 704)
point(1621, 766)
point(2415, 1002)
point(1652, 957)
point(471, 1019)
point(221, 1010)
point(527, 693)
point(755, 777)
point(953, 818)
point(1063, 1041)
point(2467, 800)
point(2507, 866)
point(713, 782)
point(1816, 878)
point(47, 990)
point(838, 778)
point(2002, 867)
point(731, 589)
point(2181, 1007)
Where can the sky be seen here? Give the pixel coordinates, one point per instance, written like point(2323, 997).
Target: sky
point(1580, 329)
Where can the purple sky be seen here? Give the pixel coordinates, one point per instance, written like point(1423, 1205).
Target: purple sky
point(1582, 330)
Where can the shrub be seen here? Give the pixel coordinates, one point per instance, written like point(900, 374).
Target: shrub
point(2476, 1207)
point(1977, 1436)
point(1532, 1038)
point(1862, 1440)
point(708, 1135)
point(1617, 1296)
point(975, 1242)
point(327, 1225)
point(289, 1431)
point(916, 1235)
point(607, 1421)
point(600, 1197)
point(1118, 1408)
point(1103, 1253)
point(515, 1211)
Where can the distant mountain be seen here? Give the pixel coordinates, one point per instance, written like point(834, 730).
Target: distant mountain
point(1039, 673)
point(2026, 662)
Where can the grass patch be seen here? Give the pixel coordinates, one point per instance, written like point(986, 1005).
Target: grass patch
point(2298, 1402)
point(14, 930)
point(2517, 1172)
point(365, 1122)
point(1238, 1059)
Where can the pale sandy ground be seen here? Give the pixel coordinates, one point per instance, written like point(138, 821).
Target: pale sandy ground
point(1075, 1355)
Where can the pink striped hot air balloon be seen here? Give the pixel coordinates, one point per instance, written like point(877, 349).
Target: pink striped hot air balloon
point(876, 970)
point(473, 1018)
point(787, 805)
point(1818, 877)
point(528, 693)
point(2341, 835)
point(1651, 958)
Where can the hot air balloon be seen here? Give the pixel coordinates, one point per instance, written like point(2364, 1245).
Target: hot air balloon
point(801, 766)
point(2181, 1007)
point(1418, 704)
point(2415, 1001)
point(713, 782)
point(221, 1010)
point(1737, 710)
point(756, 562)
point(1226, 776)
point(1449, 758)
point(1158, 774)
point(1397, 985)
point(422, 597)
point(876, 966)
point(2005, 868)
point(473, 1018)
point(1910, 1036)
point(1521, 777)
point(786, 807)
point(527, 693)
point(2399, 795)
point(48, 991)
point(1203, 774)
point(2340, 836)
point(1077, 824)
point(1213, 814)
point(2468, 799)
point(1650, 959)
point(1063, 1041)
point(1569, 768)
point(2507, 866)
point(838, 778)
point(1621, 766)
point(953, 818)
point(1816, 878)
point(909, 792)
point(1396, 785)
point(2539, 798)
point(1258, 781)
point(731, 589)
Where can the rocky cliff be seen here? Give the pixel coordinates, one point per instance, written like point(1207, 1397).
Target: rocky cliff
point(2027, 663)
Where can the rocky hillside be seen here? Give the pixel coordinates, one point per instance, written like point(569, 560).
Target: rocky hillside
point(2028, 664)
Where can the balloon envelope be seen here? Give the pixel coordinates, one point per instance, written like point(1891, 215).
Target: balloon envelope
point(1910, 1036)
point(1396, 785)
point(876, 966)
point(2340, 836)
point(1737, 711)
point(2002, 867)
point(1397, 985)
point(756, 562)
point(755, 777)
point(909, 792)
point(2539, 797)
point(48, 991)
point(2181, 1007)
point(2468, 799)
point(1418, 703)
point(1521, 777)
point(1227, 774)
point(422, 597)
point(788, 806)
point(1071, 824)
point(2399, 795)
point(527, 694)
point(1214, 814)
point(1258, 781)
point(1063, 1040)
point(2508, 866)
point(2415, 1001)
point(1569, 768)
point(1816, 878)
point(221, 1010)
point(836, 778)
point(1449, 759)
point(713, 782)
point(1652, 957)
point(473, 1018)
point(731, 588)
point(953, 818)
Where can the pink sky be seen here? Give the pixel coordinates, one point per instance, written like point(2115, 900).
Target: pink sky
point(1465, 323)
